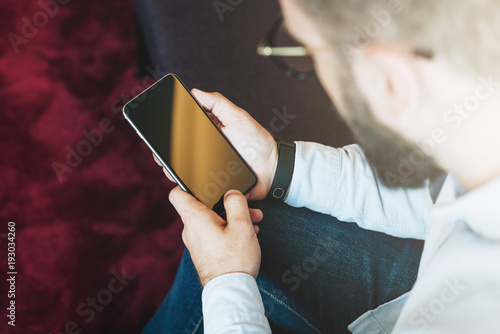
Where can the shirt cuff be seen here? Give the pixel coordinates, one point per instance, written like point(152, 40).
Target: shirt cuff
point(233, 302)
point(315, 177)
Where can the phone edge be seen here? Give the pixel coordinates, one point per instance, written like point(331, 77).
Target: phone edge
point(165, 165)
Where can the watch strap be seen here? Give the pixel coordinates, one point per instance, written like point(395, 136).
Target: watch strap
point(284, 171)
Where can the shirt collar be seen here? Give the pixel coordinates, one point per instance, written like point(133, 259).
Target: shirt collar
point(479, 209)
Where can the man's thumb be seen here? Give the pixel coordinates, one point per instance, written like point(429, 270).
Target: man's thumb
point(218, 105)
point(238, 216)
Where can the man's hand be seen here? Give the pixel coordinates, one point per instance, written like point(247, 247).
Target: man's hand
point(251, 140)
point(219, 246)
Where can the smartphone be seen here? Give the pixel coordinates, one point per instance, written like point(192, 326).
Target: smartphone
point(187, 142)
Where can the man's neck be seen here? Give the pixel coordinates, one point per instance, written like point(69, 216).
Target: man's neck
point(473, 153)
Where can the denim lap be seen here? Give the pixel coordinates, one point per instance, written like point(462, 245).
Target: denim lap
point(317, 274)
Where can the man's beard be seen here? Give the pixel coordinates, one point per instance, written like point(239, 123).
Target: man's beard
point(398, 162)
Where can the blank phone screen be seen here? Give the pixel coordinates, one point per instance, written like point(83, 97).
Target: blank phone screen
point(185, 138)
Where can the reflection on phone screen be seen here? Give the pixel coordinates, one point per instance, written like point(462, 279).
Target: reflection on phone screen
point(185, 138)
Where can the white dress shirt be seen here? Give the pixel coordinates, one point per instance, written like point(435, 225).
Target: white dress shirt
point(458, 285)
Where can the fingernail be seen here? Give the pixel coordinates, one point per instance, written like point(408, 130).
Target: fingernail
point(231, 192)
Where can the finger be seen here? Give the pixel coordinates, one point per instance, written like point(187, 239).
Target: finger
point(215, 119)
point(256, 229)
point(167, 174)
point(157, 161)
point(237, 213)
point(184, 203)
point(256, 215)
point(221, 107)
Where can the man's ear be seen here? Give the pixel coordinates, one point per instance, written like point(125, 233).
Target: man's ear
point(390, 82)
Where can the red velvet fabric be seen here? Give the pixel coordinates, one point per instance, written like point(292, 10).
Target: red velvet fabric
point(82, 235)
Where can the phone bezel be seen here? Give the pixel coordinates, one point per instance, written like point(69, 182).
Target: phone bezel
point(157, 155)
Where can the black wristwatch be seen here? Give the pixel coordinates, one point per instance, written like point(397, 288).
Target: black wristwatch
point(284, 171)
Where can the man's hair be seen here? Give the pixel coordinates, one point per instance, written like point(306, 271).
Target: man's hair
point(465, 33)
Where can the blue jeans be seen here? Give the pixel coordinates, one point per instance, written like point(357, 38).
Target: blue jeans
point(317, 274)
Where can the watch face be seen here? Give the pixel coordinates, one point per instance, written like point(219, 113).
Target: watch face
point(278, 193)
